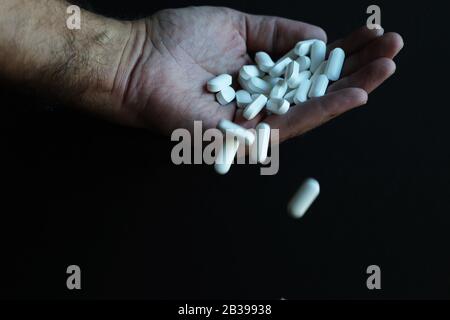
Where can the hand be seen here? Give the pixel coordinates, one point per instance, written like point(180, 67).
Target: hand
point(183, 48)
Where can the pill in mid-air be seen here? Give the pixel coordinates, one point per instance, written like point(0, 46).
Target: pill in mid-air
point(226, 154)
point(261, 146)
point(318, 50)
point(303, 48)
point(226, 95)
point(279, 89)
point(218, 83)
point(277, 106)
point(335, 62)
point(301, 94)
point(318, 86)
point(243, 98)
point(264, 61)
point(231, 128)
point(304, 197)
point(279, 67)
point(255, 107)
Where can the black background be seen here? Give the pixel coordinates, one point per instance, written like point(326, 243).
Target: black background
point(77, 190)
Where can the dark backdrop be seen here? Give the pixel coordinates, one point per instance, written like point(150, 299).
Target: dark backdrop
point(77, 190)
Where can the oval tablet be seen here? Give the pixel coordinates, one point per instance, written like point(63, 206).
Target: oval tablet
point(226, 154)
point(264, 61)
point(334, 65)
point(258, 85)
point(303, 48)
point(277, 106)
point(318, 50)
point(279, 89)
point(279, 67)
point(255, 107)
point(301, 94)
point(226, 95)
point(261, 146)
point(218, 83)
point(243, 98)
point(318, 86)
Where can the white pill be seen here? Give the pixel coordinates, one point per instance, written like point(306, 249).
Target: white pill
point(320, 70)
point(272, 80)
point(243, 98)
point(277, 106)
point(318, 50)
point(264, 61)
point(335, 62)
point(255, 107)
point(261, 146)
point(303, 62)
point(254, 96)
point(228, 127)
point(226, 95)
point(279, 67)
point(249, 71)
point(258, 85)
point(301, 94)
point(304, 75)
point(292, 73)
point(318, 86)
point(218, 83)
point(304, 197)
point(226, 154)
point(303, 48)
point(279, 89)
point(289, 97)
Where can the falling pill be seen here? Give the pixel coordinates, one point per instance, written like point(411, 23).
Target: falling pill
point(303, 198)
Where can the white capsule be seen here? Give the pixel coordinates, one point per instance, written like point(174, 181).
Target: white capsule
point(320, 70)
point(289, 97)
point(303, 48)
point(277, 106)
point(292, 73)
point(264, 61)
point(335, 62)
point(279, 67)
point(279, 89)
point(226, 154)
point(260, 148)
point(218, 83)
point(272, 80)
point(301, 94)
point(249, 71)
point(304, 63)
point(226, 95)
point(228, 127)
point(304, 197)
point(318, 50)
point(243, 98)
point(318, 86)
point(258, 85)
point(255, 107)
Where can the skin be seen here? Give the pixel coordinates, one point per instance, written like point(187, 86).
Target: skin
point(152, 72)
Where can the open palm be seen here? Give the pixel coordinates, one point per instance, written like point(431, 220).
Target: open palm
point(183, 48)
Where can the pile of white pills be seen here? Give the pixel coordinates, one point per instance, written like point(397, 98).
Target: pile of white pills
point(301, 74)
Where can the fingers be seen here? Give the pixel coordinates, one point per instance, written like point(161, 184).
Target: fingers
point(367, 78)
point(389, 45)
point(356, 40)
point(316, 111)
point(276, 35)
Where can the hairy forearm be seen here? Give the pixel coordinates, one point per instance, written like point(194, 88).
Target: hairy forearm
point(39, 52)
